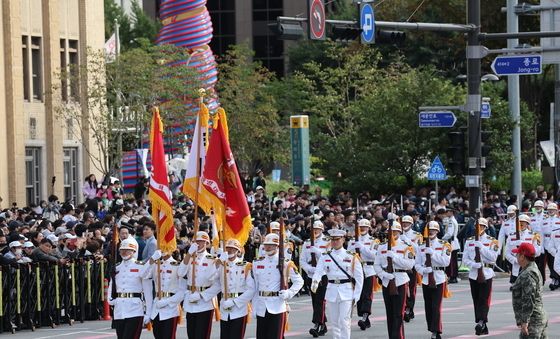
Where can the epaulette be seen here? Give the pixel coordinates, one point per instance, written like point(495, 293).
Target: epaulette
point(383, 243)
point(441, 241)
point(491, 238)
point(350, 252)
point(327, 252)
point(326, 238)
point(139, 262)
point(287, 260)
point(530, 231)
point(175, 263)
point(470, 238)
point(210, 256)
point(241, 263)
point(259, 258)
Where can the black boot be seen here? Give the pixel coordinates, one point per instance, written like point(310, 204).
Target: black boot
point(408, 315)
point(315, 331)
point(478, 328)
point(484, 329)
point(322, 329)
point(364, 322)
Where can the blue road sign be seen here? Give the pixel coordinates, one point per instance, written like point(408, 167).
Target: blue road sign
point(517, 65)
point(436, 119)
point(437, 171)
point(367, 23)
point(485, 110)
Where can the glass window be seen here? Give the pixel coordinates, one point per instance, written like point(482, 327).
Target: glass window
point(37, 68)
point(26, 68)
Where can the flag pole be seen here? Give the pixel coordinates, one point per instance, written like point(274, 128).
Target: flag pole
point(158, 220)
point(223, 245)
point(201, 92)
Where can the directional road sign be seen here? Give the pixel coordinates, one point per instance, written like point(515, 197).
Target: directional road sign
point(437, 171)
point(485, 110)
point(367, 23)
point(436, 119)
point(317, 20)
point(517, 65)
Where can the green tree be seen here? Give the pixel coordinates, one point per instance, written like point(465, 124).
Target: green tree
point(139, 30)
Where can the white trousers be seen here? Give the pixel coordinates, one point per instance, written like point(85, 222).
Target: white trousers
point(339, 318)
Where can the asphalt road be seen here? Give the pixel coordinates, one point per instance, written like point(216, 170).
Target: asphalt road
point(457, 320)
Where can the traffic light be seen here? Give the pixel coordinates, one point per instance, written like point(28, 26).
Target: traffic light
point(456, 152)
point(485, 160)
point(344, 32)
point(389, 37)
point(287, 30)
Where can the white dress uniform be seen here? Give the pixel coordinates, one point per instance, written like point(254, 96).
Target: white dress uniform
point(131, 277)
point(341, 292)
point(403, 262)
point(488, 256)
point(451, 233)
point(172, 287)
point(507, 227)
point(548, 226)
point(205, 273)
point(323, 243)
point(440, 260)
point(288, 249)
point(512, 242)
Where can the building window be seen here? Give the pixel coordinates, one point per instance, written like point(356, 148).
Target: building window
point(268, 48)
point(32, 128)
point(63, 65)
point(69, 129)
point(26, 70)
point(37, 69)
point(33, 175)
point(222, 13)
point(69, 62)
point(71, 181)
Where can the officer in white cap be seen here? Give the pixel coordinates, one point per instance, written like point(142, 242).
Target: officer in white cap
point(366, 246)
point(199, 269)
point(345, 281)
point(403, 257)
point(507, 226)
point(440, 256)
point(536, 225)
point(525, 235)
point(481, 292)
point(133, 299)
point(288, 245)
point(413, 238)
point(237, 287)
point(270, 301)
point(169, 290)
point(551, 242)
point(308, 260)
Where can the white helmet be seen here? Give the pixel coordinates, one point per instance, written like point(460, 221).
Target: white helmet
point(202, 236)
point(271, 239)
point(552, 206)
point(319, 225)
point(433, 225)
point(408, 219)
point(234, 243)
point(364, 223)
point(524, 218)
point(274, 226)
point(511, 209)
point(483, 222)
point(396, 226)
point(538, 203)
point(129, 244)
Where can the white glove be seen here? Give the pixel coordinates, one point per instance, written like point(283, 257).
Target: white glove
point(389, 276)
point(391, 254)
point(228, 304)
point(219, 251)
point(112, 302)
point(193, 249)
point(162, 303)
point(429, 251)
point(477, 265)
point(314, 286)
point(156, 255)
point(427, 270)
point(478, 244)
point(285, 294)
point(223, 257)
point(194, 297)
point(147, 319)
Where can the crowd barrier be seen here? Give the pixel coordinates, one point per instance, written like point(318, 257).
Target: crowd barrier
point(49, 294)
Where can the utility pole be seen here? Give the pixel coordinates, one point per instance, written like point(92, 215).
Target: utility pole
point(474, 178)
point(513, 102)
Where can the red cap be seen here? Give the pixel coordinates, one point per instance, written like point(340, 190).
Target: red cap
point(527, 249)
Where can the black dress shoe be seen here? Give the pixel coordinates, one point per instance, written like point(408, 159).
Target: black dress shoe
point(407, 315)
point(368, 323)
point(315, 331)
point(323, 329)
point(362, 324)
point(484, 329)
point(438, 336)
point(477, 329)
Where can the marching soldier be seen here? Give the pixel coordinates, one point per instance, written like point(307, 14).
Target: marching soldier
point(198, 301)
point(322, 244)
point(367, 247)
point(402, 255)
point(411, 237)
point(551, 243)
point(451, 230)
point(440, 255)
point(508, 226)
point(270, 302)
point(345, 281)
point(481, 291)
point(133, 293)
point(536, 225)
point(237, 287)
point(288, 247)
point(165, 311)
point(525, 235)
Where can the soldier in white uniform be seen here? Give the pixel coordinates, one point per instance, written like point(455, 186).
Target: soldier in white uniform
point(133, 299)
point(550, 243)
point(237, 288)
point(403, 257)
point(525, 235)
point(270, 301)
point(508, 226)
point(481, 292)
point(555, 268)
point(411, 237)
point(440, 254)
point(536, 225)
point(451, 230)
point(165, 309)
point(366, 246)
point(288, 245)
point(345, 281)
point(322, 244)
point(198, 301)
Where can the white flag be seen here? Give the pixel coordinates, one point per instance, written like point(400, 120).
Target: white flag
point(111, 48)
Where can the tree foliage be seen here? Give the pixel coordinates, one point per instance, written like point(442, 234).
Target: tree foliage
point(138, 30)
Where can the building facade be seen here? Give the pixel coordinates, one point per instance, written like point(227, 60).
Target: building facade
point(42, 152)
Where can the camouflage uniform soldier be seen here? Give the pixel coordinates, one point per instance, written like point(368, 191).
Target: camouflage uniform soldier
point(530, 315)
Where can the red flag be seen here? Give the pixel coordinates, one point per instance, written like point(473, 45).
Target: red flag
point(221, 179)
point(160, 194)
